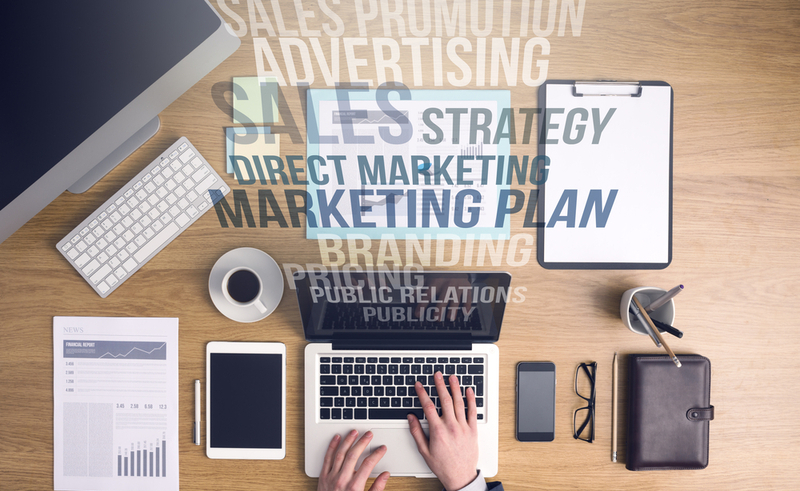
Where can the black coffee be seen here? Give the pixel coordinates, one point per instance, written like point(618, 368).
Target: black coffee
point(243, 286)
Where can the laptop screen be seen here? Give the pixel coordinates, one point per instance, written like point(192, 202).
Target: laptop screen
point(402, 305)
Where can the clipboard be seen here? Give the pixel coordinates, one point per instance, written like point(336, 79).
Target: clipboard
point(607, 199)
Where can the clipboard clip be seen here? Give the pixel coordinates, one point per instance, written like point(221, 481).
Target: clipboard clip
point(606, 88)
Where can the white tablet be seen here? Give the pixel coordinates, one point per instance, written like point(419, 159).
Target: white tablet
point(245, 400)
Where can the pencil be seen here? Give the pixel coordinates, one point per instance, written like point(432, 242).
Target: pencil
point(658, 334)
point(614, 396)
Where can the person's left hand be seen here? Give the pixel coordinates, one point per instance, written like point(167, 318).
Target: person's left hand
point(339, 467)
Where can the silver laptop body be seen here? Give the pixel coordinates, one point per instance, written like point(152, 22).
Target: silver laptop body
point(372, 335)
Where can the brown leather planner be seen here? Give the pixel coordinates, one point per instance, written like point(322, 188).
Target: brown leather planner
point(669, 412)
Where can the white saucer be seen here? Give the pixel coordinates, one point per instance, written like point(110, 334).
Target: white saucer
point(261, 263)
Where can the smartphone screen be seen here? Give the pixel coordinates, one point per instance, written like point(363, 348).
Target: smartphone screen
point(536, 401)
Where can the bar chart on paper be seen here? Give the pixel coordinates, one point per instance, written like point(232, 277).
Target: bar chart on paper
point(115, 385)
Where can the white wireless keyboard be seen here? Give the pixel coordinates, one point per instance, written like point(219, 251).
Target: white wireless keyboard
point(145, 215)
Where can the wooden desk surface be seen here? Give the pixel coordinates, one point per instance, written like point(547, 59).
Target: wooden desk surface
point(733, 66)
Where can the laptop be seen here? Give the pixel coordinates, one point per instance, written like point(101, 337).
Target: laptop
point(374, 334)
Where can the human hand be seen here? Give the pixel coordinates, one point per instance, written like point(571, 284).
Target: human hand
point(339, 467)
point(451, 451)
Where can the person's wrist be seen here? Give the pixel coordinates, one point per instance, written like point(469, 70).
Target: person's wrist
point(460, 482)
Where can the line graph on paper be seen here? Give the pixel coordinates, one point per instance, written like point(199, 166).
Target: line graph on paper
point(130, 350)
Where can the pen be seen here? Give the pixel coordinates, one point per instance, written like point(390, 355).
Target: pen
point(614, 395)
point(636, 309)
point(664, 298)
point(658, 335)
point(663, 326)
point(196, 425)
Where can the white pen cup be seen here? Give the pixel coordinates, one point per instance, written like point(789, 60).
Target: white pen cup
point(243, 287)
point(646, 295)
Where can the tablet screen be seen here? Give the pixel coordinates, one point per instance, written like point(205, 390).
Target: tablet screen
point(246, 400)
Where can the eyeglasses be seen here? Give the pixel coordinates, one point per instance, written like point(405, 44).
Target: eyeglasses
point(584, 387)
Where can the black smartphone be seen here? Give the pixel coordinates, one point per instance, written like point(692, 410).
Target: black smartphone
point(536, 401)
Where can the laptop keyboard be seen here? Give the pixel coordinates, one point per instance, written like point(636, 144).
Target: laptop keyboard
point(382, 387)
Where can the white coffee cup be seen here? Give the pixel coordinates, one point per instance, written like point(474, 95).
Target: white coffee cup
point(243, 287)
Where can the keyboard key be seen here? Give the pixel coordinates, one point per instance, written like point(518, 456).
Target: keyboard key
point(327, 380)
point(475, 369)
point(160, 239)
point(361, 413)
point(91, 267)
point(395, 413)
point(326, 401)
point(329, 391)
point(101, 273)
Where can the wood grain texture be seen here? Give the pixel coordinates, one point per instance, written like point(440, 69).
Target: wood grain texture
point(733, 66)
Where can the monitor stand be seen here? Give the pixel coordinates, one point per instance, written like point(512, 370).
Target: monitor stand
point(114, 158)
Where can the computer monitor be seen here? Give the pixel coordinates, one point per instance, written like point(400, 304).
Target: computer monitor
point(84, 82)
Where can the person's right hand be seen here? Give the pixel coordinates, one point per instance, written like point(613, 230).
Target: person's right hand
point(339, 467)
point(451, 451)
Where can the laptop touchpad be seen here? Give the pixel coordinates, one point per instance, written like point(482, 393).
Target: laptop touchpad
point(402, 457)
